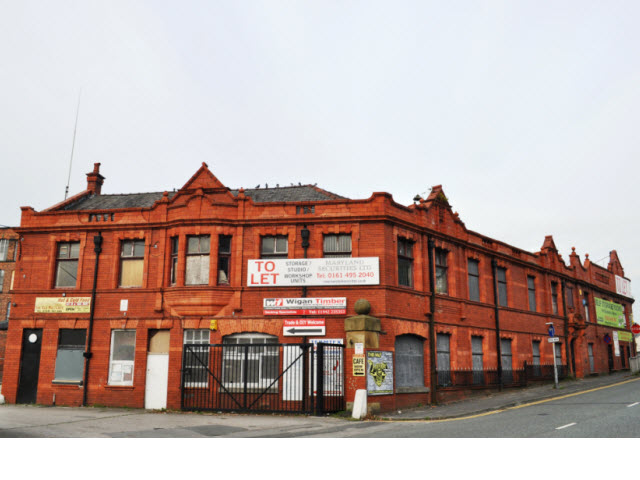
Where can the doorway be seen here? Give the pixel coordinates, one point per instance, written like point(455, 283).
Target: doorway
point(29, 365)
point(155, 396)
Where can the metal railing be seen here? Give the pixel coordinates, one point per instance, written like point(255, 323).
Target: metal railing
point(276, 378)
point(490, 378)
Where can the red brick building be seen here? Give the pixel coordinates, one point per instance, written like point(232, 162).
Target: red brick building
point(450, 309)
point(8, 255)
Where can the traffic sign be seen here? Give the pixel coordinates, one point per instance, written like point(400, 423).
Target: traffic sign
point(635, 328)
point(552, 331)
point(301, 327)
point(554, 339)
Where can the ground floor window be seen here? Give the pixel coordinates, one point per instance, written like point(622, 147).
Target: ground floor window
point(506, 359)
point(252, 358)
point(409, 361)
point(123, 347)
point(536, 358)
point(477, 360)
point(443, 359)
point(196, 358)
point(69, 359)
point(591, 362)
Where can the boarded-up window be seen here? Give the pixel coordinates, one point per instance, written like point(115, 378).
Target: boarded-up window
point(197, 272)
point(131, 263)
point(474, 280)
point(443, 359)
point(409, 361)
point(507, 365)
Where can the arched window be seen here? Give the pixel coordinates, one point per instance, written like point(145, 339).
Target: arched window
point(409, 361)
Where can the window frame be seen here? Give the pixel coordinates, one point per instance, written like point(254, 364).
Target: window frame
point(130, 254)
point(337, 253)
point(531, 293)
point(554, 298)
point(4, 249)
point(123, 362)
point(173, 272)
point(64, 349)
point(473, 278)
point(405, 262)
point(275, 253)
point(202, 333)
point(62, 261)
point(234, 354)
point(2, 274)
point(224, 261)
point(441, 267)
point(409, 357)
point(203, 264)
point(503, 297)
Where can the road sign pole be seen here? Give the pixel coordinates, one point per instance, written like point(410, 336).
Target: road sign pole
point(555, 367)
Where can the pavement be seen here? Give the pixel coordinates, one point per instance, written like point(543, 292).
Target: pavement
point(509, 397)
point(37, 421)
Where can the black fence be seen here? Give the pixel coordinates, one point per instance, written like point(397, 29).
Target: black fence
point(490, 378)
point(279, 378)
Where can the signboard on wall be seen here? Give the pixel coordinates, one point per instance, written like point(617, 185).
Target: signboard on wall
point(609, 313)
point(379, 373)
point(625, 336)
point(305, 306)
point(63, 305)
point(623, 286)
point(616, 343)
point(313, 272)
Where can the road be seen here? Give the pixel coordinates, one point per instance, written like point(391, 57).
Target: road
point(606, 412)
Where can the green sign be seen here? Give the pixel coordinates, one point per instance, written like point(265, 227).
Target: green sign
point(609, 313)
point(624, 336)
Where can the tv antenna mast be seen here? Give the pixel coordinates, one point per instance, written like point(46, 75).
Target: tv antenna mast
point(73, 145)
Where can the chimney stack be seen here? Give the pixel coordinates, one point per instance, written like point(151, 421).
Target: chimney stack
point(95, 180)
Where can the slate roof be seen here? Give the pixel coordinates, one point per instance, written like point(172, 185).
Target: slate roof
point(301, 193)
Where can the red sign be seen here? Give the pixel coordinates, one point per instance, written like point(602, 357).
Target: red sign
point(635, 328)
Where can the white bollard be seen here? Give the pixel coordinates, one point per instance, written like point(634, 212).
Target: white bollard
point(360, 404)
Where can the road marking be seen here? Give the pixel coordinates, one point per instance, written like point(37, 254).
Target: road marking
point(633, 404)
point(565, 426)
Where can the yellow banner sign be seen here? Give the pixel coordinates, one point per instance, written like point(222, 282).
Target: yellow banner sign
point(625, 336)
point(63, 305)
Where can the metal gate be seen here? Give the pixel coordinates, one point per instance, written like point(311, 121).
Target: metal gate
point(278, 378)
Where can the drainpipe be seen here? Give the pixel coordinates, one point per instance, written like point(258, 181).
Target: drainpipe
point(494, 268)
point(432, 327)
point(97, 242)
point(570, 364)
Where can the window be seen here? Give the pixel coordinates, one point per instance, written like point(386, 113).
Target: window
point(536, 358)
point(197, 272)
point(585, 302)
point(474, 279)
point(554, 298)
point(570, 297)
point(337, 246)
point(8, 310)
point(196, 359)
point(591, 362)
point(69, 360)
point(1, 280)
point(274, 247)
point(477, 360)
point(506, 360)
point(123, 348)
point(405, 262)
point(224, 258)
point(531, 286)
point(4, 249)
point(131, 263)
point(409, 361)
point(67, 264)
point(175, 242)
point(255, 355)
point(502, 286)
point(558, 350)
point(443, 359)
point(441, 271)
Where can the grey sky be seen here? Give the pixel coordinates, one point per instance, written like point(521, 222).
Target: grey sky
point(526, 112)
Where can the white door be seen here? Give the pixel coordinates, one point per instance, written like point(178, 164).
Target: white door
point(155, 396)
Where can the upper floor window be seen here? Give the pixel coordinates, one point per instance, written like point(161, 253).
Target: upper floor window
point(197, 272)
point(4, 249)
point(67, 264)
point(570, 297)
point(274, 246)
point(554, 298)
point(474, 279)
point(131, 263)
point(224, 258)
point(405, 262)
point(531, 287)
point(337, 245)
point(501, 274)
point(585, 302)
point(442, 284)
point(1, 280)
point(175, 242)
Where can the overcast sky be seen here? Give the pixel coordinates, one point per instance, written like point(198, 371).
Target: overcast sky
point(526, 112)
